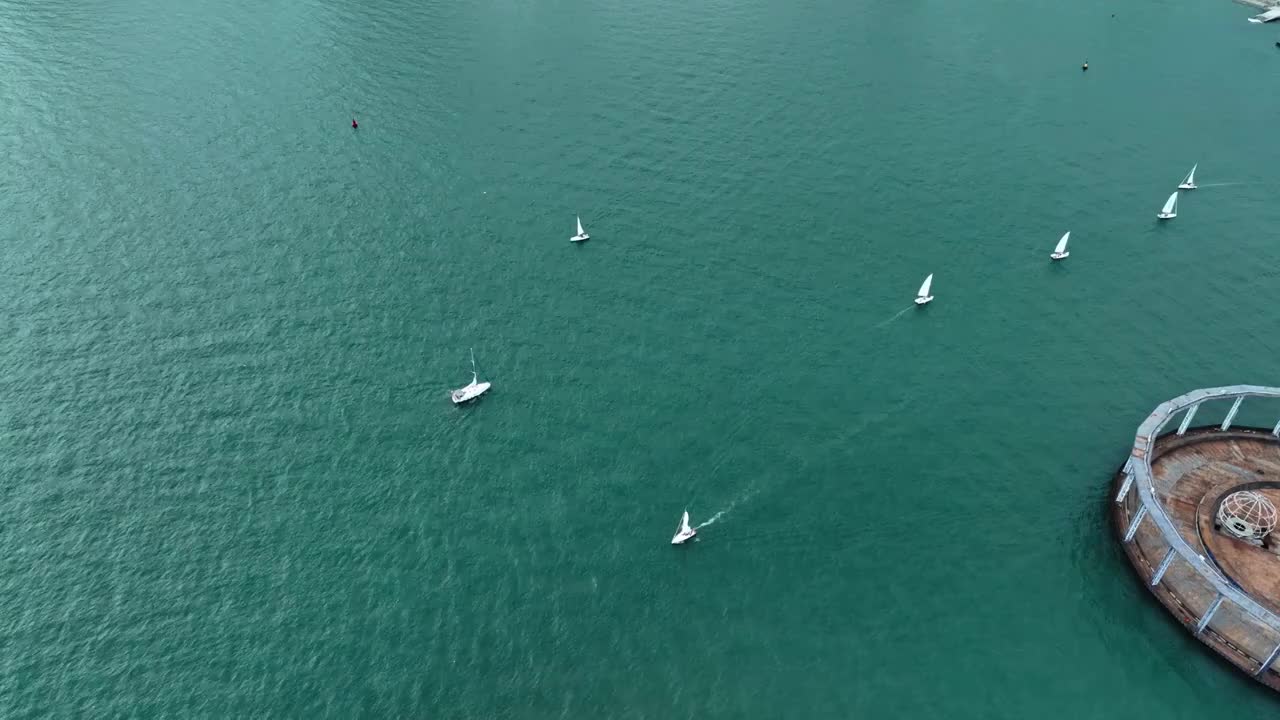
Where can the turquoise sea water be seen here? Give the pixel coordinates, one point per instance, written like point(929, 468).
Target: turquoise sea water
point(232, 483)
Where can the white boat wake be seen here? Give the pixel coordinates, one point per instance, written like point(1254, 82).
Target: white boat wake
point(710, 522)
point(716, 518)
point(897, 315)
point(726, 452)
point(1226, 184)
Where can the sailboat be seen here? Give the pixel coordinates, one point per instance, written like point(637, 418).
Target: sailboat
point(474, 389)
point(923, 296)
point(1189, 182)
point(1060, 252)
point(1170, 209)
point(684, 533)
point(582, 234)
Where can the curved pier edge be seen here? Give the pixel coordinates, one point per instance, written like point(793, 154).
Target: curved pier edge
point(1185, 579)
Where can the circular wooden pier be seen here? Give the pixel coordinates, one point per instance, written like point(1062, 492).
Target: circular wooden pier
point(1225, 591)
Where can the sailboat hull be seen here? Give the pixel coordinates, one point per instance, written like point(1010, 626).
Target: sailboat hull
point(1187, 186)
point(924, 300)
point(461, 396)
point(684, 537)
point(1059, 256)
point(580, 238)
point(1166, 216)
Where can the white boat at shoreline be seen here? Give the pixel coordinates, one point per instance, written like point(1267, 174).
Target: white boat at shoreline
point(474, 389)
point(1272, 13)
point(922, 295)
point(1060, 252)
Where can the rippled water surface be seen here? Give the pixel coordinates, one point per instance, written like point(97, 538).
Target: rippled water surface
point(233, 484)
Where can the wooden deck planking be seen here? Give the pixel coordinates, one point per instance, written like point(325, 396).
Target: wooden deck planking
point(1188, 474)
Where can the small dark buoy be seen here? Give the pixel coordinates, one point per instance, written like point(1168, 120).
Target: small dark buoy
point(354, 124)
point(1085, 66)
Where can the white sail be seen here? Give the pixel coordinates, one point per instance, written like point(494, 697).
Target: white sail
point(684, 532)
point(924, 287)
point(1189, 181)
point(582, 234)
point(1170, 208)
point(1062, 244)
